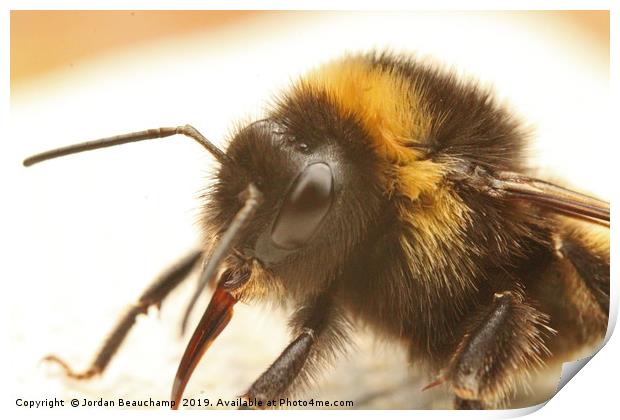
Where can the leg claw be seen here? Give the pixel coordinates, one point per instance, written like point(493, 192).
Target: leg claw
point(70, 373)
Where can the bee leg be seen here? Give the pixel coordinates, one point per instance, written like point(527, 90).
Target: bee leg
point(274, 382)
point(502, 340)
point(319, 327)
point(153, 295)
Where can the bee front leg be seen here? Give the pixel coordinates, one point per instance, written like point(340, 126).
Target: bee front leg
point(275, 381)
point(502, 341)
point(321, 328)
point(152, 296)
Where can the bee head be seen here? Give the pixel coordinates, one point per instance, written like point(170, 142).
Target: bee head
point(316, 194)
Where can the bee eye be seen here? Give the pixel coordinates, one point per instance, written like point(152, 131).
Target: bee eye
point(305, 206)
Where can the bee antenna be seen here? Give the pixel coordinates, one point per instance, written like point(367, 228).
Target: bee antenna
point(155, 133)
point(252, 200)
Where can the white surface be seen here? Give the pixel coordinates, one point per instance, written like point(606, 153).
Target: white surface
point(88, 232)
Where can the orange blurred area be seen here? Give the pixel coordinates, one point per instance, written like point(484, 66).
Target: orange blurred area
point(45, 40)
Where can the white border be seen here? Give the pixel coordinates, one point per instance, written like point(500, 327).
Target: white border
point(592, 395)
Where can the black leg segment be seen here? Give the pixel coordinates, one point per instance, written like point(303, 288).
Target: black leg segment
point(274, 382)
point(321, 329)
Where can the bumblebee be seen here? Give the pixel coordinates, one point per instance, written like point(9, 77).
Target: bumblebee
point(383, 191)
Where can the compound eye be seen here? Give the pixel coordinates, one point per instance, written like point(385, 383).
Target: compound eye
point(307, 203)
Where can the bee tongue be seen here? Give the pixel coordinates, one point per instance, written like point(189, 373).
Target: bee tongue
point(216, 317)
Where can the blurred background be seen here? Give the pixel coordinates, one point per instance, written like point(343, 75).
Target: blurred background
point(90, 231)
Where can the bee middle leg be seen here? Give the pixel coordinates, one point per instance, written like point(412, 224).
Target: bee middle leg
point(501, 341)
point(152, 296)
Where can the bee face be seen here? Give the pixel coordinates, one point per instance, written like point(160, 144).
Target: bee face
point(314, 210)
point(299, 186)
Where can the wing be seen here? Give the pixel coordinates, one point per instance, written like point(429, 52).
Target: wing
point(541, 193)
